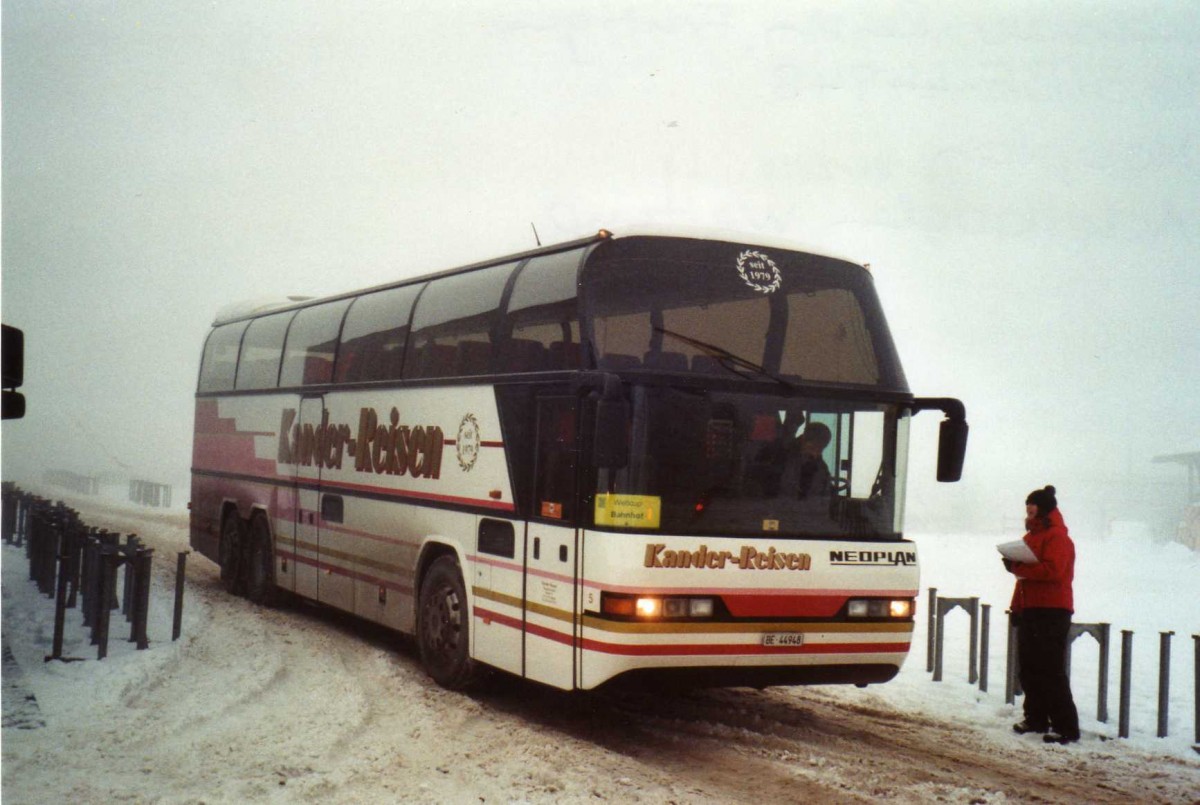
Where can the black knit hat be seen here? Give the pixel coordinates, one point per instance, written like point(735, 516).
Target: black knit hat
point(1044, 499)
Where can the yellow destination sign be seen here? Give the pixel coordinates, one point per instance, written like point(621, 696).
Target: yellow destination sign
point(628, 511)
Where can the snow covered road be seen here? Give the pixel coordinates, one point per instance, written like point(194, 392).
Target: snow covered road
point(304, 705)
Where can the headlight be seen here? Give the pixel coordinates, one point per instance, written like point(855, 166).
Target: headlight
point(897, 608)
point(652, 607)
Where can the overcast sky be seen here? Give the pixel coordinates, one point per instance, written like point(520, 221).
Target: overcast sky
point(1023, 178)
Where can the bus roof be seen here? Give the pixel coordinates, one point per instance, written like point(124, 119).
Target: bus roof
point(251, 308)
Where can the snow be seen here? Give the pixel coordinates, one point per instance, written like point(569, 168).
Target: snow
point(300, 704)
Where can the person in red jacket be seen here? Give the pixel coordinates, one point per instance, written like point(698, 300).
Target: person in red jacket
point(1042, 605)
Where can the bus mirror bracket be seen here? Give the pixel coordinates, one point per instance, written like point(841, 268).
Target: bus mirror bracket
point(610, 442)
point(952, 435)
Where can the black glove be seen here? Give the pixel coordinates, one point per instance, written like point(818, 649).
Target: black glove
point(1008, 564)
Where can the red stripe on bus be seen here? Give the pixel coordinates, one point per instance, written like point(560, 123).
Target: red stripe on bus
point(783, 606)
point(690, 649)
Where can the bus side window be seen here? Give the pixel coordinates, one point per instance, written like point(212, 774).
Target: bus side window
point(311, 342)
point(454, 322)
point(375, 335)
point(543, 311)
point(262, 349)
point(218, 366)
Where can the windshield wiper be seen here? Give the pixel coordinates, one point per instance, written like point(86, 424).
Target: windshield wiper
point(727, 359)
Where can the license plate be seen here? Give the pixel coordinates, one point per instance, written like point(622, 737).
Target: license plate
point(783, 639)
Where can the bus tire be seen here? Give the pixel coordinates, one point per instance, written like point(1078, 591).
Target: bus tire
point(232, 552)
point(443, 626)
point(260, 565)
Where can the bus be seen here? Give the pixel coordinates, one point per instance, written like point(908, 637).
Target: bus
point(638, 458)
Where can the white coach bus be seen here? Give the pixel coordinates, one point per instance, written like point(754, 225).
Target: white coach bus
point(619, 457)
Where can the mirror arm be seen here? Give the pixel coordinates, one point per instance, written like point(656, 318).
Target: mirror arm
point(954, 410)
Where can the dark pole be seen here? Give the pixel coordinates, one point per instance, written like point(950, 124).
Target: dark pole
point(180, 568)
point(1164, 681)
point(143, 562)
point(984, 628)
point(1126, 676)
point(60, 605)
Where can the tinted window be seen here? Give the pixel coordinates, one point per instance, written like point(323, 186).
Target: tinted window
point(218, 366)
point(732, 311)
point(262, 347)
point(711, 463)
point(375, 336)
point(311, 344)
point(543, 314)
point(454, 323)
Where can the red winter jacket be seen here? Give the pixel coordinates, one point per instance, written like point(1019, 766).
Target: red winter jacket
point(1046, 583)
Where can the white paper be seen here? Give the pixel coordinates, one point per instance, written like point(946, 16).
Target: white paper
point(1017, 551)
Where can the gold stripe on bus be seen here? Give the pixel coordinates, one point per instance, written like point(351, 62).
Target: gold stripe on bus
point(515, 602)
point(499, 598)
point(303, 547)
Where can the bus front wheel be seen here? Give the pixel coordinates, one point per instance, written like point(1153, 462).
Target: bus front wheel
point(443, 626)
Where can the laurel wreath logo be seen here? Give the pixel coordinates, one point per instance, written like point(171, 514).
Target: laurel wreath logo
point(466, 446)
point(759, 271)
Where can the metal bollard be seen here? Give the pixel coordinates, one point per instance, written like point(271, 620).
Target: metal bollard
point(1126, 681)
point(1010, 663)
point(985, 626)
point(128, 592)
point(180, 568)
point(108, 576)
point(1196, 693)
point(60, 608)
point(143, 564)
point(1164, 681)
point(1100, 631)
point(931, 629)
point(944, 606)
point(8, 512)
point(87, 579)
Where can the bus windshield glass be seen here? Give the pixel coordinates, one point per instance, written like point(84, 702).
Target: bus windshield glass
point(726, 463)
point(726, 311)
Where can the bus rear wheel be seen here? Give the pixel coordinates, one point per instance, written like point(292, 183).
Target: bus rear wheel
point(443, 626)
point(231, 553)
point(260, 565)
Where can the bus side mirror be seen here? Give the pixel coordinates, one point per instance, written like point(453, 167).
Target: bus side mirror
point(610, 442)
point(952, 438)
point(952, 448)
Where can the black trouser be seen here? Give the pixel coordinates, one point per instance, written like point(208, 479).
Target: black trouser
point(1042, 654)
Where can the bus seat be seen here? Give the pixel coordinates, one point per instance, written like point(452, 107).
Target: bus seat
point(707, 365)
point(434, 360)
point(666, 361)
point(564, 355)
point(524, 355)
point(617, 362)
point(474, 358)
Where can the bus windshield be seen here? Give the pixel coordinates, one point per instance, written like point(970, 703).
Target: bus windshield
point(727, 463)
point(715, 310)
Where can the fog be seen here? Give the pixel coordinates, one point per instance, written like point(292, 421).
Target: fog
point(1023, 180)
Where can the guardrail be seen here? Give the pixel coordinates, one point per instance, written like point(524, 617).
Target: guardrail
point(939, 607)
point(78, 565)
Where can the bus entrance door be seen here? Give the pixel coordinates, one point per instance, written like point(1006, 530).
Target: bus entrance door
point(551, 543)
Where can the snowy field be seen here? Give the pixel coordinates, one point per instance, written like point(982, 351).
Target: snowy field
point(299, 705)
